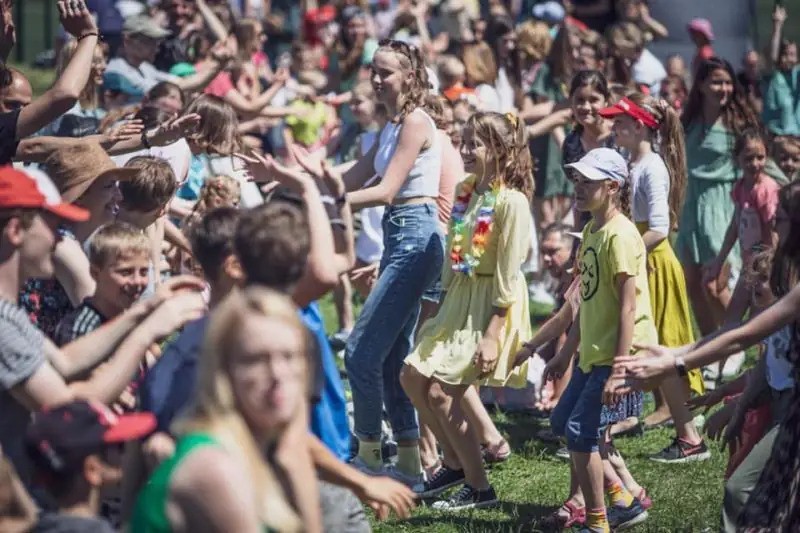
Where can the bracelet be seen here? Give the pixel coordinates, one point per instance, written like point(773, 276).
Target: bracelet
point(85, 35)
point(145, 140)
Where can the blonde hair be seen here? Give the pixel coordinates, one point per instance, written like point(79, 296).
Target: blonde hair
point(219, 191)
point(479, 64)
point(669, 142)
point(417, 82)
point(114, 240)
point(534, 40)
point(451, 70)
point(505, 137)
point(214, 409)
point(90, 95)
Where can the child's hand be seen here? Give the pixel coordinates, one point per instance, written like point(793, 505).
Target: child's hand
point(648, 367)
point(485, 359)
point(526, 352)
point(555, 368)
point(779, 16)
point(614, 389)
point(175, 129)
point(123, 131)
point(708, 400)
point(733, 433)
point(716, 423)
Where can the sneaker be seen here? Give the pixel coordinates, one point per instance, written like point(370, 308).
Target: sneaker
point(624, 517)
point(682, 452)
point(563, 453)
point(468, 498)
point(408, 480)
point(440, 481)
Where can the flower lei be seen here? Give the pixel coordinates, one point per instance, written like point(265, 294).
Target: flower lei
point(462, 261)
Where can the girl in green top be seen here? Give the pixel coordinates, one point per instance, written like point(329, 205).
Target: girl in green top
point(716, 109)
point(251, 384)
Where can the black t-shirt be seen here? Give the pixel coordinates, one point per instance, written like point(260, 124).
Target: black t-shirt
point(8, 136)
point(61, 523)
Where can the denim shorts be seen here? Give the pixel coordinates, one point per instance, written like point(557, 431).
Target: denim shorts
point(578, 415)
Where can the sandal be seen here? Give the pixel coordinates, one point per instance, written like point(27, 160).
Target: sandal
point(496, 453)
point(575, 516)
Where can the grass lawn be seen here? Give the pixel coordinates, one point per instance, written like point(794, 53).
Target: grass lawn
point(533, 482)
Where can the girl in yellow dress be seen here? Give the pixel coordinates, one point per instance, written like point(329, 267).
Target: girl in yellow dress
point(484, 316)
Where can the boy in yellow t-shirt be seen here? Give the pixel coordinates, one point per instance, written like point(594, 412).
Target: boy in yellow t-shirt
point(615, 313)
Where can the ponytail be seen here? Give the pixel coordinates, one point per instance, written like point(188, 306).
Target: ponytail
point(519, 167)
point(672, 148)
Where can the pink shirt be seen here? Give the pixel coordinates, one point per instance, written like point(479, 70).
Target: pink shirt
point(757, 209)
point(220, 85)
point(452, 174)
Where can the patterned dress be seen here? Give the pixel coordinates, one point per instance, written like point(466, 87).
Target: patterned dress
point(774, 503)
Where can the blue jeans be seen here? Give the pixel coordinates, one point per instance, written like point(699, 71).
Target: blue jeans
point(383, 334)
point(578, 415)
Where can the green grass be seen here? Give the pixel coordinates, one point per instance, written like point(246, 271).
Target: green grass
point(533, 482)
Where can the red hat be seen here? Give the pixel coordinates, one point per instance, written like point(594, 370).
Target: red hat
point(628, 107)
point(33, 189)
point(702, 26)
point(60, 439)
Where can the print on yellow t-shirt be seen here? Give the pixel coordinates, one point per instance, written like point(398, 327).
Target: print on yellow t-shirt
point(613, 249)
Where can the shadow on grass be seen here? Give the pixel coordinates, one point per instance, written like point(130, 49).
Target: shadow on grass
point(522, 517)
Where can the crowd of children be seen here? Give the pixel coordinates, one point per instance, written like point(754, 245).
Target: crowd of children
point(201, 174)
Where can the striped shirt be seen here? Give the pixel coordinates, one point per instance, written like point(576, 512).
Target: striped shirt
point(82, 320)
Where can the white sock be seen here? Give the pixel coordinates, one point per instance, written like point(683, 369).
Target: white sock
point(370, 453)
point(408, 460)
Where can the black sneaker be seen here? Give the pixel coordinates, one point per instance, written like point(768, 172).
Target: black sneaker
point(625, 517)
point(468, 498)
point(680, 451)
point(440, 481)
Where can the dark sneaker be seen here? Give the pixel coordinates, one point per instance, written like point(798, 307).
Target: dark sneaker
point(682, 452)
point(624, 517)
point(468, 498)
point(440, 481)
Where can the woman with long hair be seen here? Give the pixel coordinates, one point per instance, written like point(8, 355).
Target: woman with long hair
point(251, 384)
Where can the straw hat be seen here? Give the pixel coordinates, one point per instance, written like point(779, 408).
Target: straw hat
point(75, 167)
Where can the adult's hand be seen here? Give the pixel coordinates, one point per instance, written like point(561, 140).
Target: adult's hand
point(76, 18)
point(383, 494)
point(649, 366)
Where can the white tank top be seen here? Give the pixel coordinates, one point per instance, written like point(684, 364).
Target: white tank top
point(423, 178)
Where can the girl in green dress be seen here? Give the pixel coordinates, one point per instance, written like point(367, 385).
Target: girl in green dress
point(716, 109)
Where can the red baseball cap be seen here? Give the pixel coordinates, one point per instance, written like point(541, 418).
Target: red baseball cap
point(33, 189)
point(58, 440)
point(628, 107)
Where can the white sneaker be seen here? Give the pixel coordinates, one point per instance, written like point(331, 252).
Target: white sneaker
point(401, 477)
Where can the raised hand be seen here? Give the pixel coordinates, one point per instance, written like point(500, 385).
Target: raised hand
point(175, 129)
point(322, 170)
point(76, 18)
point(265, 170)
point(173, 313)
point(124, 131)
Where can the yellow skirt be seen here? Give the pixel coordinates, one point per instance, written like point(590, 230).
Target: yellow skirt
point(670, 303)
point(447, 342)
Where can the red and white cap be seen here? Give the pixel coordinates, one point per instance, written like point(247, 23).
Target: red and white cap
point(33, 189)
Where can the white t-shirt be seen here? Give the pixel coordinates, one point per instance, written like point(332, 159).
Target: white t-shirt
point(650, 184)
point(488, 99)
point(505, 92)
point(779, 368)
point(649, 71)
point(145, 77)
point(369, 241)
point(177, 154)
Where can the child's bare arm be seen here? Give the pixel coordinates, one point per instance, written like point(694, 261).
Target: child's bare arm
point(626, 289)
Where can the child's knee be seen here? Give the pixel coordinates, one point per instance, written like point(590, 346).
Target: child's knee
point(580, 438)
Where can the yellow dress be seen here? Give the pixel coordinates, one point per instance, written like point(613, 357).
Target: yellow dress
point(447, 342)
point(670, 302)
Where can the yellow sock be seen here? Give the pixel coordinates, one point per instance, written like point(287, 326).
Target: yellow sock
point(596, 521)
point(619, 495)
point(408, 461)
point(370, 453)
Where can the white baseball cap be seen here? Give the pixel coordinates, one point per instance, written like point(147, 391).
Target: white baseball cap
point(602, 164)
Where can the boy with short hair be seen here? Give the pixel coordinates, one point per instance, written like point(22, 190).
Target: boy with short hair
point(75, 450)
point(145, 197)
point(119, 261)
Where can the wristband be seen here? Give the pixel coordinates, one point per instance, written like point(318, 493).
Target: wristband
point(680, 366)
point(85, 35)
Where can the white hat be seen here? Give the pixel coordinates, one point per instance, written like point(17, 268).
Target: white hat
point(551, 12)
point(602, 164)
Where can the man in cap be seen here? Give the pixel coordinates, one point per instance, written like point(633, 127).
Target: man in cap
point(34, 373)
point(141, 38)
point(76, 452)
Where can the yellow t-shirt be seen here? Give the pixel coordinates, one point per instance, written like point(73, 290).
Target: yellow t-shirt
point(615, 248)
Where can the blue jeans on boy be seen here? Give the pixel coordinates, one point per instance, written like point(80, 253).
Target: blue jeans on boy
point(383, 334)
point(578, 415)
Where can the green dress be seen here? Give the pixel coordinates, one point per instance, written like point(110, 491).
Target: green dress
point(150, 513)
point(551, 180)
point(708, 208)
